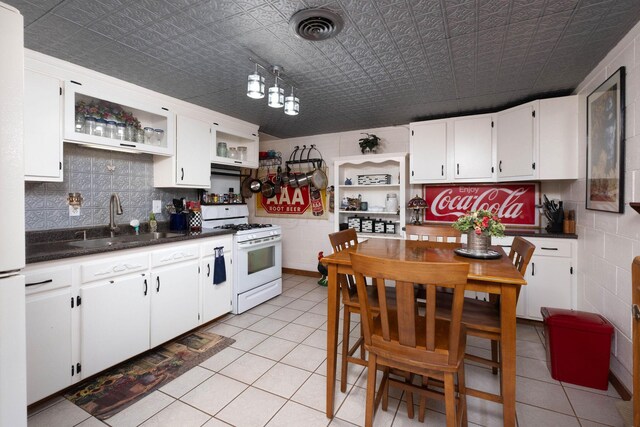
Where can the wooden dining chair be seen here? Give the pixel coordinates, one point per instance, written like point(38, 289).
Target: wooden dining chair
point(439, 233)
point(340, 241)
point(402, 336)
point(482, 318)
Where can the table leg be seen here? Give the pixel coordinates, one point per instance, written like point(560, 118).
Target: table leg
point(508, 354)
point(333, 307)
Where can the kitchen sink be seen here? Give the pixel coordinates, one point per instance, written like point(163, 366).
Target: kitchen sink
point(129, 238)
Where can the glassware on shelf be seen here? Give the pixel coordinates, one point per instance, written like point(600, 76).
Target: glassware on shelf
point(140, 136)
point(120, 131)
point(101, 127)
point(79, 123)
point(148, 135)
point(157, 137)
point(89, 125)
point(232, 153)
point(111, 131)
point(221, 149)
point(242, 153)
point(130, 133)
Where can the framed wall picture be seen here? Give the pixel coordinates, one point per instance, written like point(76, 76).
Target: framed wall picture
point(605, 145)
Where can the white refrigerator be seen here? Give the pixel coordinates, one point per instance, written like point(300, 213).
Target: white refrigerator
point(13, 365)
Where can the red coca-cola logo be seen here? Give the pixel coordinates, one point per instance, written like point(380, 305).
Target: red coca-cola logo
point(513, 203)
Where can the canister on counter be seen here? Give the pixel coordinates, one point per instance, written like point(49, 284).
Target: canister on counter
point(354, 222)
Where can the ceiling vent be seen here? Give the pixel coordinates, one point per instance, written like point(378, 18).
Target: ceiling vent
point(316, 24)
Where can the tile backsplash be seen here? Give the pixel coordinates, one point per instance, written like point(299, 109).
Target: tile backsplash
point(97, 174)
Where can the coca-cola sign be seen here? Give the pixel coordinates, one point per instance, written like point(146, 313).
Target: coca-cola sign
point(513, 203)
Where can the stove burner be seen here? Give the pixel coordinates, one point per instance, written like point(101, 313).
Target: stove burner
point(242, 227)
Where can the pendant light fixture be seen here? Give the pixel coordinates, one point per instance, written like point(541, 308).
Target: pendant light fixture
point(291, 104)
point(275, 98)
point(255, 85)
point(276, 93)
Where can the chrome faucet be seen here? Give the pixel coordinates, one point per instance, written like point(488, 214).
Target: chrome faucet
point(115, 208)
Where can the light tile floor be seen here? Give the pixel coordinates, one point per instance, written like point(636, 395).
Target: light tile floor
point(274, 375)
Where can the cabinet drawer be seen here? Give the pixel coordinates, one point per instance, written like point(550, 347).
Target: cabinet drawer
point(173, 255)
point(208, 248)
point(47, 279)
point(113, 267)
point(552, 247)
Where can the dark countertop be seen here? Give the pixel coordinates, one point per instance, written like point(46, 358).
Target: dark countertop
point(537, 232)
point(50, 246)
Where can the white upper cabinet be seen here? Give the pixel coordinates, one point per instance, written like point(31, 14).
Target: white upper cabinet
point(109, 99)
point(558, 138)
point(517, 143)
point(428, 148)
point(43, 120)
point(473, 148)
point(190, 167)
point(534, 141)
point(238, 144)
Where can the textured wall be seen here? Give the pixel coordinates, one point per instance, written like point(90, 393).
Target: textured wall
point(609, 241)
point(87, 171)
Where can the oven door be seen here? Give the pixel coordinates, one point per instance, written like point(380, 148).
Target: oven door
point(258, 262)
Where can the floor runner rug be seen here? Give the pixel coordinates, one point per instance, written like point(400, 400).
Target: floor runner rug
point(119, 387)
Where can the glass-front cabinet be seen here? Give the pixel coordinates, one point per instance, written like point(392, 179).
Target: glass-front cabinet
point(235, 145)
point(371, 194)
point(105, 115)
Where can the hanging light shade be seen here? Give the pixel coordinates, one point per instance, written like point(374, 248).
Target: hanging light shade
point(276, 95)
point(291, 104)
point(255, 85)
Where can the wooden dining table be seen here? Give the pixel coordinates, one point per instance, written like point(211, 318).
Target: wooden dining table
point(496, 276)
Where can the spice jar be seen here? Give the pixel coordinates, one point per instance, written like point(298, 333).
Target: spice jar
point(120, 131)
point(158, 135)
point(101, 127)
point(111, 129)
point(148, 135)
point(89, 125)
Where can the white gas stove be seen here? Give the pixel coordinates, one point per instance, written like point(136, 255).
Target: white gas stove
point(257, 254)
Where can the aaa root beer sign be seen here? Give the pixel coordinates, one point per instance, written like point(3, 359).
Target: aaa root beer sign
point(293, 202)
point(514, 203)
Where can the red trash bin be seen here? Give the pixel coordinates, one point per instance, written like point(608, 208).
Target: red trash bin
point(578, 346)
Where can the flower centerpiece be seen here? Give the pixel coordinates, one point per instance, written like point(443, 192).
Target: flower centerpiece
point(479, 225)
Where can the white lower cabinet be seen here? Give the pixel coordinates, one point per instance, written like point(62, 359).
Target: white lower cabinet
point(48, 321)
point(88, 314)
point(114, 321)
point(550, 277)
point(174, 292)
point(174, 301)
point(215, 298)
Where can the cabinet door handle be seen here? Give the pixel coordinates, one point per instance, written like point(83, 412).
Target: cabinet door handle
point(208, 270)
point(441, 170)
point(40, 283)
point(533, 268)
point(182, 176)
point(158, 284)
point(145, 287)
point(458, 169)
point(500, 166)
point(548, 249)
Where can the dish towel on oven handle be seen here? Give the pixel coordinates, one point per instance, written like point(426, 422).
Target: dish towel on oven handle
point(219, 270)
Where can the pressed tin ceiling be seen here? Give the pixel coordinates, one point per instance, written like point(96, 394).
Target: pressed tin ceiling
point(395, 61)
